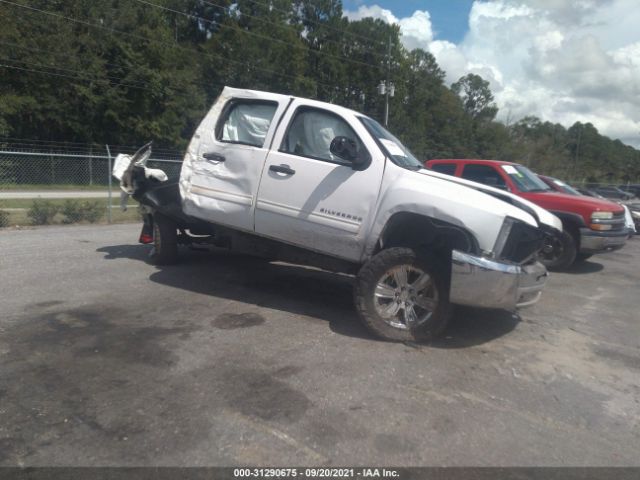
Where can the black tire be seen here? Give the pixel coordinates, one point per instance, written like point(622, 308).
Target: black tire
point(560, 252)
point(165, 241)
point(368, 304)
point(582, 257)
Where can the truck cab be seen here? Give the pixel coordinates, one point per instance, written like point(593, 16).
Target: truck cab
point(590, 225)
point(313, 183)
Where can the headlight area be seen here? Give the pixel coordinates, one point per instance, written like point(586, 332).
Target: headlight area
point(606, 221)
point(517, 241)
point(508, 277)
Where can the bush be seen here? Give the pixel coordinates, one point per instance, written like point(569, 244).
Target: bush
point(72, 211)
point(75, 211)
point(42, 212)
point(4, 219)
point(92, 211)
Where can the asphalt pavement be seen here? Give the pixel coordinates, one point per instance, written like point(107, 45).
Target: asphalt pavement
point(228, 360)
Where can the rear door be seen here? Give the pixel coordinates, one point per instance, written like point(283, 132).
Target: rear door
point(221, 173)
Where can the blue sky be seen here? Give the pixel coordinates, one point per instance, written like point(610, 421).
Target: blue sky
point(561, 60)
point(450, 18)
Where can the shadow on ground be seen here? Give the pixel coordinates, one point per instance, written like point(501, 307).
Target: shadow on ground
point(308, 292)
point(585, 267)
point(473, 326)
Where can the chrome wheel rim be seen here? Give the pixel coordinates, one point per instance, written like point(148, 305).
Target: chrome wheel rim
point(405, 297)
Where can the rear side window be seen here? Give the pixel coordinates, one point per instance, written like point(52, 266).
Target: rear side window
point(483, 174)
point(447, 168)
point(246, 122)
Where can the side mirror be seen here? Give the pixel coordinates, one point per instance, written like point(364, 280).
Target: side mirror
point(347, 149)
point(142, 155)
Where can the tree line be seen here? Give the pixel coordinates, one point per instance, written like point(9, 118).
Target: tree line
point(128, 71)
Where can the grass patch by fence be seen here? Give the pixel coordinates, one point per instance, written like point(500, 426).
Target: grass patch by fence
point(16, 211)
point(28, 202)
point(48, 187)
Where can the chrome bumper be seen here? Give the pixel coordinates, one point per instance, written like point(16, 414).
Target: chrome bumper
point(481, 282)
point(595, 242)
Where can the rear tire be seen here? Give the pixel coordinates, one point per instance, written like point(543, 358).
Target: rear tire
point(165, 240)
point(560, 252)
point(402, 296)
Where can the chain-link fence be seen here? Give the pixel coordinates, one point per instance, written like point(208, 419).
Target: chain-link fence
point(28, 164)
point(57, 171)
point(29, 169)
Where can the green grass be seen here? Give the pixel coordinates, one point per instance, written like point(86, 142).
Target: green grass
point(27, 202)
point(46, 187)
point(20, 218)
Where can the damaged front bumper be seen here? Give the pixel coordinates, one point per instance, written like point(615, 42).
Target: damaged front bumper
point(482, 282)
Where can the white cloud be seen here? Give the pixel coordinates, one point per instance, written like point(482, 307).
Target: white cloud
point(562, 60)
point(416, 30)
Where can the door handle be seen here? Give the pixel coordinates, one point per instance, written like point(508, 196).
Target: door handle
point(213, 157)
point(282, 169)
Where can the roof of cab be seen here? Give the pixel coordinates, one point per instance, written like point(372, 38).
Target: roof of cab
point(232, 91)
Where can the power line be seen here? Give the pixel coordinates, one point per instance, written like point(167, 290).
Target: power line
point(201, 84)
point(171, 45)
point(32, 49)
point(81, 77)
point(75, 77)
point(228, 9)
point(108, 77)
point(315, 22)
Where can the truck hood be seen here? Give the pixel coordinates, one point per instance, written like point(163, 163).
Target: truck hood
point(542, 216)
point(556, 200)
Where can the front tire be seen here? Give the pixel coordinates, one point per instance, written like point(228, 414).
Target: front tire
point(402, 296)
point(165, 240)
point(559, 251)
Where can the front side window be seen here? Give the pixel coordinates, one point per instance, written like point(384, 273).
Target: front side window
point(483, 174)
point(446, 168)
point(246, 122)
point(311, 132)
point(565, 188)
point(525, 179)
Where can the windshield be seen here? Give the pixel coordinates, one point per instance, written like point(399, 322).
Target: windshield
point(566, 188)
point(525, 179)
point(391, 146)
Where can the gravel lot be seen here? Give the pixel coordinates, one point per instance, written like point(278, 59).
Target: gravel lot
point(226, 360)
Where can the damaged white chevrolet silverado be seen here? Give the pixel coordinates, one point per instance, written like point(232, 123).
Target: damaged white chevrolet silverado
point(312, 183)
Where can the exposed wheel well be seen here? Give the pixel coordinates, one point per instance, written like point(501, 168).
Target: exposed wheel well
point(416, 231)
point(571, 222)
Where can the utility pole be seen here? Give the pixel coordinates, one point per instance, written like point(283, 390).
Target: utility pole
point(386, 100)
point(385, 87)
point(575, 159)
point(109, 180)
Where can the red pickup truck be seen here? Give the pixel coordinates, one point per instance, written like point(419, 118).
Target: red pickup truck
point(590, 225)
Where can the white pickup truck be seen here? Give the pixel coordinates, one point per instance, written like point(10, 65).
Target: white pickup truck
point(312, 183)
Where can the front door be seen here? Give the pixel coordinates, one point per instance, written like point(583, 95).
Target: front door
point(308, 196)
